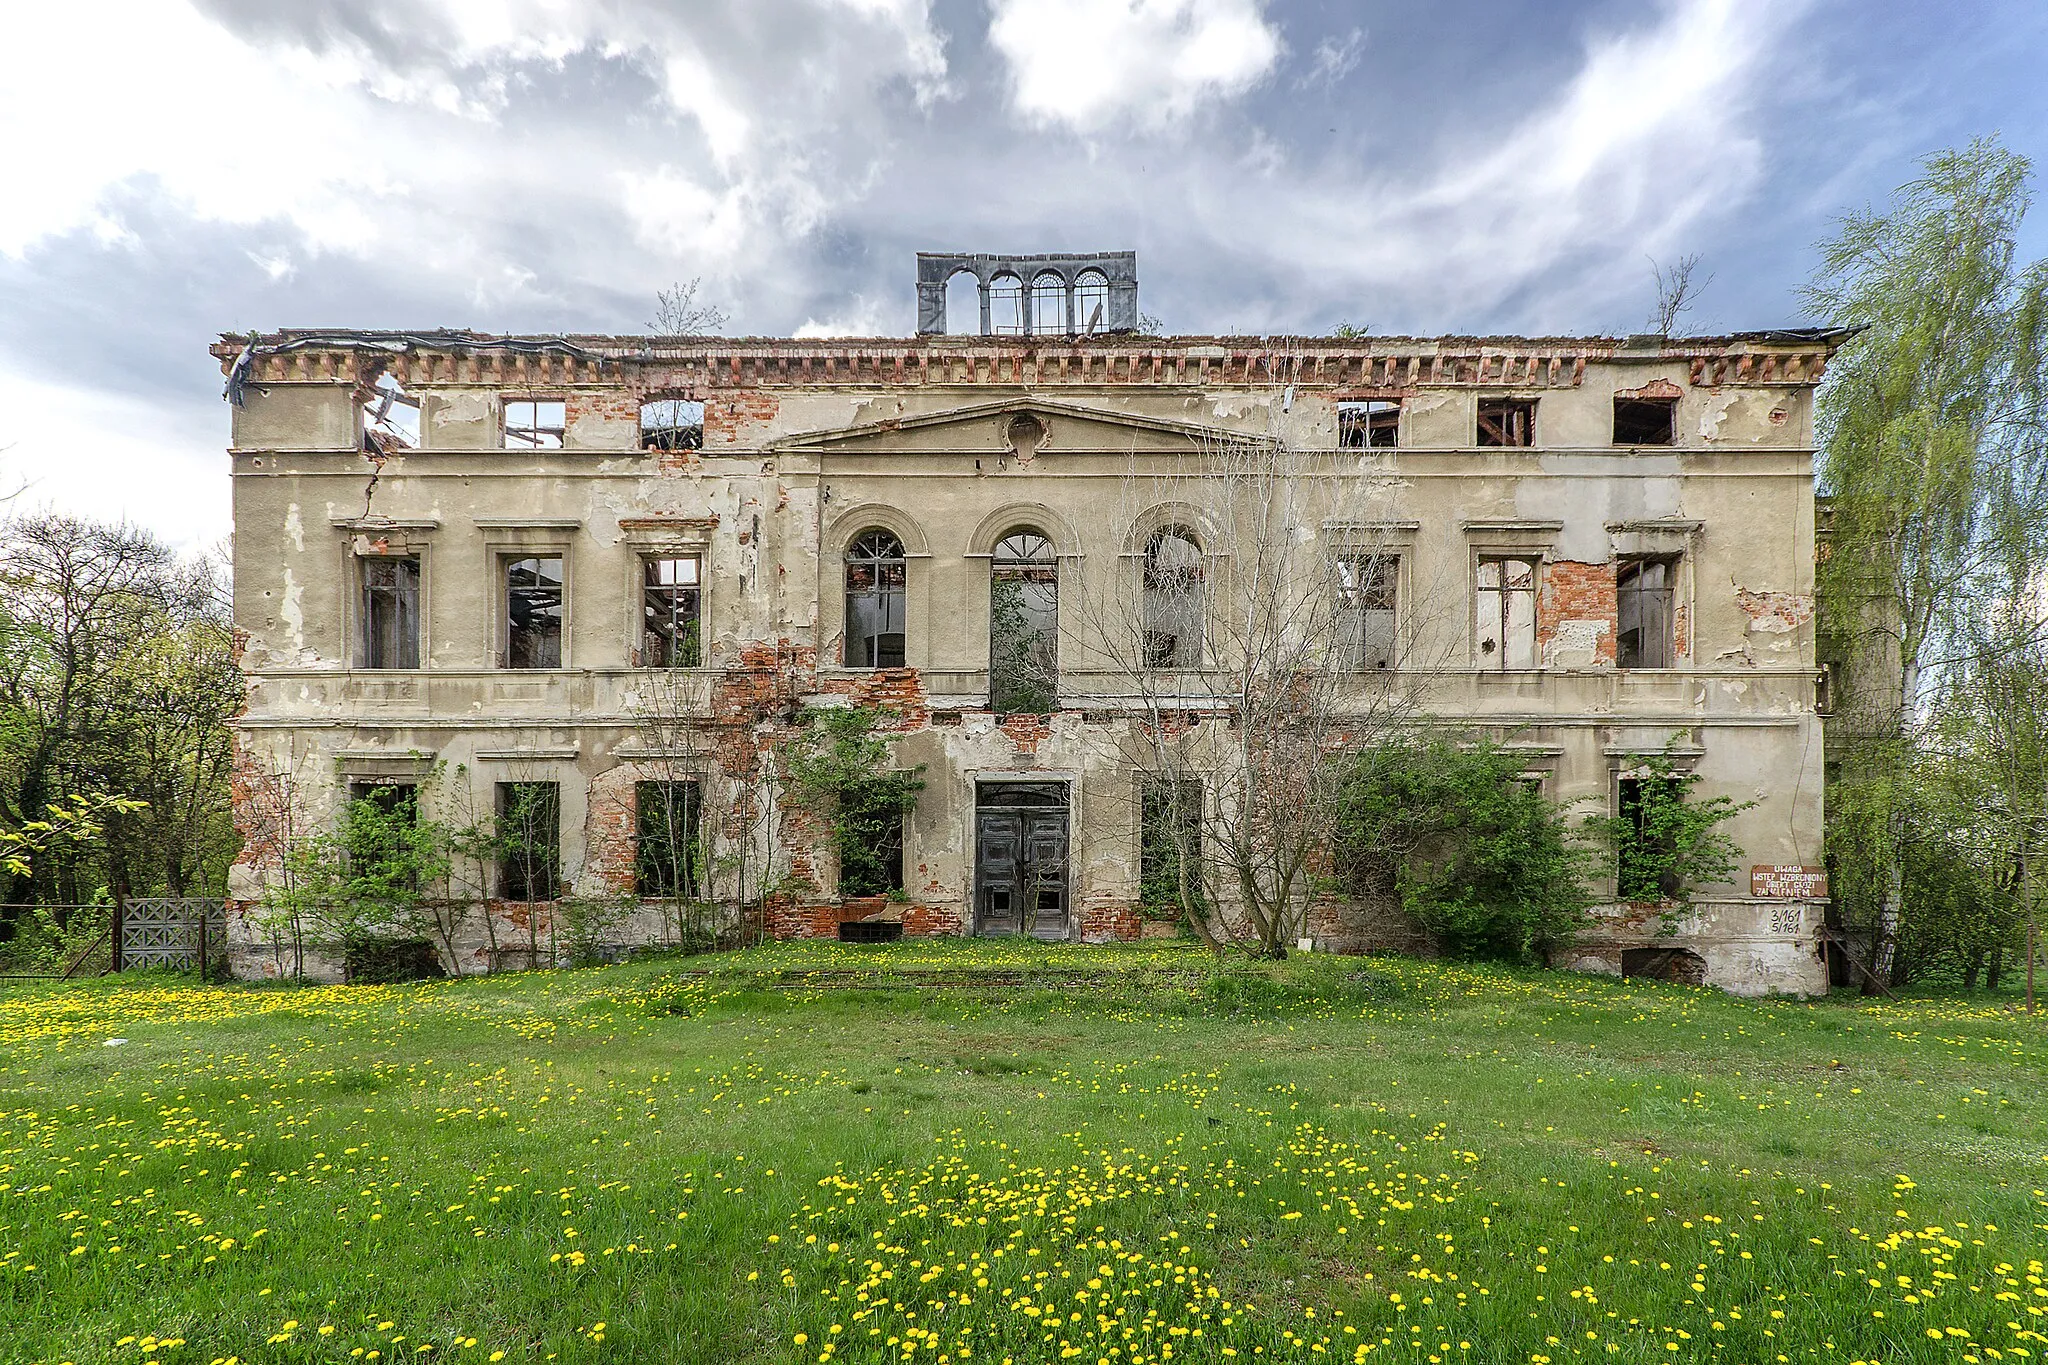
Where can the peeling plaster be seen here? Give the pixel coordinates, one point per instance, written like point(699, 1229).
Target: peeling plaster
point(1775, 613)
point(295, 528)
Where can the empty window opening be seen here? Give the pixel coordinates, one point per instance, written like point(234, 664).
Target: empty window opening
point(1371, 422)
point(1091, 302)
point(1366, 599)
point(1643, 626)
point(391, 418)
point(1049, 305)
point(1507, 611)
point(963, 304)
point(535, 424)
point(1024, 624)
point(1645, 421)
point(1507, 422)
point(529, 841)
point(672, 424)
point(533, 612)
point(379, 838)
point(390, 610)
point(1173, 599)
point(666, 856)
point(872, 864)
point(1643, 872)
point(876, 575)
point(1170, 844)
point(1006, 306)
point(670, 611)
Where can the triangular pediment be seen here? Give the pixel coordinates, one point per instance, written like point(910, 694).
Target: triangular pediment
point(981, 428)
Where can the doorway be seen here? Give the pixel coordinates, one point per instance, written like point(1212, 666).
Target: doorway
point(1020, 859)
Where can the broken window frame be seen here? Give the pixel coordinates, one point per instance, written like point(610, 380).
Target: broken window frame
point(663, 810)
point(528, 829)
point(388, 633)
point(1653, 421)
point(1024, 629)
point(1006, 299)
point(877, 633)
point(1505, 422)
point(1091, 302)
point(671, 611)
point(1641, 643)
point(1369, 423)
point(391, 417)
point(678, 424)
point(1368, 610)
point(1049, 286)
point(535, 614)
point(545, 425)
point(1175, 600)
point(1505, 641)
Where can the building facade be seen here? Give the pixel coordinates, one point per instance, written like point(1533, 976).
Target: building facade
point(588, 575)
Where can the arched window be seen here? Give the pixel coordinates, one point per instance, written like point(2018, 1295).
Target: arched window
point(963, 304)
point(1006, 306)
point(876, 571)
point(1024, 624)
point(1091, 301)
point(1173, 599)
point(1049, 304)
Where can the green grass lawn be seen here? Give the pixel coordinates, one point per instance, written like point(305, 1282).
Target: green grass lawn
point(989, 1152)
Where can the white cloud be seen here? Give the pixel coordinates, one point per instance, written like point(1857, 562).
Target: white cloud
point(860, 317)
point(1092, 63)
point(1334, 59)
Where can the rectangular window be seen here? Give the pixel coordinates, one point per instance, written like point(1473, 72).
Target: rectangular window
point(529, 841)
point(1645, 421)
point(533, 612)
point(1170, 844)
point(1507, 611)
point(872, 863)
point(1643, 612)
point(670, 607)
point(1643, 874)
point(1507, 422)
point(1366, 599)
point(375, 835)
point(666, 858)
point(1372, 422)
point(390, 607)
point(672, 424)
point(535, 424)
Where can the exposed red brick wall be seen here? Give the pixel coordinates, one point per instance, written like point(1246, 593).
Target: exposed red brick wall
point(610, 833)
point(736, 418)
point(1105, 920)
point(1577, 591)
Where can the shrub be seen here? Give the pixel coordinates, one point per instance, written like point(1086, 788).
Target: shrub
point(1478, 856)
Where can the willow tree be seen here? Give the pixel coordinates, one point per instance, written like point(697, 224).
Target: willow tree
point(1931, 451)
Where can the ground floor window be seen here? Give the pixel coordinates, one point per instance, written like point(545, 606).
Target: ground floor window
point(529, 841)
point(666, 849)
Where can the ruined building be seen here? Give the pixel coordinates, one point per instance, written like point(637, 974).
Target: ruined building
point(594, 579)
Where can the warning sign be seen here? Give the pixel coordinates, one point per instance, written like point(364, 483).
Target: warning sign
point(1779, 882)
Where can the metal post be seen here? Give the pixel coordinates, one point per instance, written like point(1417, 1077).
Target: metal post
point(202, 947)
point(119, 902)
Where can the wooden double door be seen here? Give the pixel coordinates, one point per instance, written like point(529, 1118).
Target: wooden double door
point(1020, 860)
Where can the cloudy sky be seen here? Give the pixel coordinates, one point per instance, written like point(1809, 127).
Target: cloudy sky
point(176, 168)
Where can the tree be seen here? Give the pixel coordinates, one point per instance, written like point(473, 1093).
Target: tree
point(1666, 840)
point(1677, 292)
point(1932, 456)
point(678, 312)
point(1258, 625)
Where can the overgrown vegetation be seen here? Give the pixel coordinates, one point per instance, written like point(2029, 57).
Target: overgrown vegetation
point(1476, 854)
point(838, 771)
point(1667, 842)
